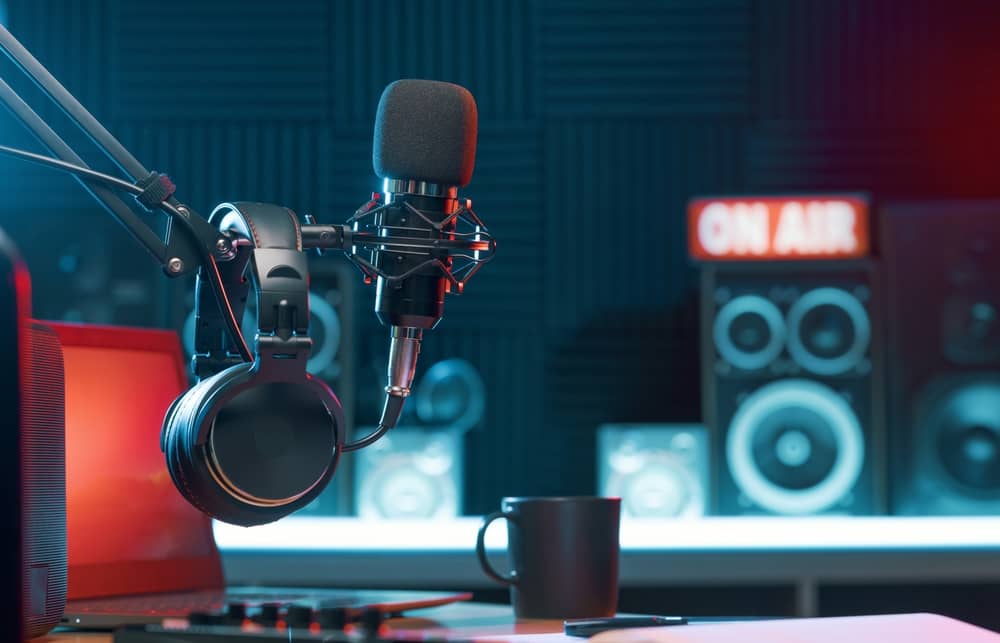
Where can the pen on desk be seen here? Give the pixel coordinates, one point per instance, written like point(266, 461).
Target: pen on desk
point(587, 627)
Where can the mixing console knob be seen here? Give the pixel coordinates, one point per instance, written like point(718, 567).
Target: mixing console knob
point(298, 616)
point(205, 618)
point(268, 614)
point(236, 612)
point(371, 619)
point(332, 618)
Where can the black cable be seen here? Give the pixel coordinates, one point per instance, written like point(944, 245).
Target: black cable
point(111, 147)
point(180, 246)
point(51, 141)
point(79, 170)
point(390, 415)
point(71, 106)
point(368, 440)
point(214, 277)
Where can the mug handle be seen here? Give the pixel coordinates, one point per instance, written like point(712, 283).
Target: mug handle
point(509, 579)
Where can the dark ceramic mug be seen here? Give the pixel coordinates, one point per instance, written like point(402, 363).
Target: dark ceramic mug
point(563, 554)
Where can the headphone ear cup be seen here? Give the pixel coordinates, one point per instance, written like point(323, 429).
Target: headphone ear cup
point(177, 441)
point(251, 445)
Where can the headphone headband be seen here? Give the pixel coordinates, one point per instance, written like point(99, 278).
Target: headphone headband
point(280, 276)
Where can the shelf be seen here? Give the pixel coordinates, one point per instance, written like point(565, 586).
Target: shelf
point(741, 551)
point(739, 534)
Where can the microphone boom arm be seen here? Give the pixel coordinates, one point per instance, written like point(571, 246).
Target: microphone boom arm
point(198, 245)
point(52, 142)
point(195, 245)
point(180, 254)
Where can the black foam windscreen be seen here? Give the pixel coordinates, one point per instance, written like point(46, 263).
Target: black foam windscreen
point(425, 130)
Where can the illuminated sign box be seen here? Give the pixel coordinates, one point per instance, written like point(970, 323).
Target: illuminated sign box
point(772, 228)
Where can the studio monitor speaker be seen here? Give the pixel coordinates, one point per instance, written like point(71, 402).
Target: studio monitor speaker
point(410, 473)
point(658, 470)
point(34, 485)
point(943, 291)
point(791, 375)
point(417, 470)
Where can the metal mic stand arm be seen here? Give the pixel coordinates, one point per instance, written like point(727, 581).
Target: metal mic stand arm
point(227, 247)
point(51, 141)
point(180, 255)
point(70, 106)
point(199, 245)
point(211, 270)
point(171, 255)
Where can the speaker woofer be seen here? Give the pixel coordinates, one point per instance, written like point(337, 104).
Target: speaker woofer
point(962, 425)
point(795, 447)
point(324, 329)
point(450, 394)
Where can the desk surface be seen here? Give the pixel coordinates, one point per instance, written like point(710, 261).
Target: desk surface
point(457, 620)
point(493, 624)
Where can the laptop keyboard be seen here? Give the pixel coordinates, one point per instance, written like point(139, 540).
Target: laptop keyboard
point(183, 604)
point(249, 600)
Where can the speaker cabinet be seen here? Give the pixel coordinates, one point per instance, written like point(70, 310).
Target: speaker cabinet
point(44, 485)
point(791, 370)
point(943, 292)
point(410, 473)
point(15, 302)
point(35, 475)
point(417, 470)
point(658, 470)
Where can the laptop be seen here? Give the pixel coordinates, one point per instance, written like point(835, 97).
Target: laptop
point(138, 552)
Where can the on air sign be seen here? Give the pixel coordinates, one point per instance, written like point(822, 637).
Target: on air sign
point(768, 228)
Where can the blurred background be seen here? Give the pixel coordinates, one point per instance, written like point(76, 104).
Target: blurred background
point(589, 356)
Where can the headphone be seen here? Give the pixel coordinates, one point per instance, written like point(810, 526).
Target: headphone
point(252, 442)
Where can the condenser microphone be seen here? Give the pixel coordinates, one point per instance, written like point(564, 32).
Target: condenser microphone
point(424, 150)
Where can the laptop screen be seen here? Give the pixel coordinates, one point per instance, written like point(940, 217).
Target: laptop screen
point(129, 531)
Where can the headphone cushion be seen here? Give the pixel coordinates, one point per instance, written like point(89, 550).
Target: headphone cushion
point(178, 440)
point(188, 463)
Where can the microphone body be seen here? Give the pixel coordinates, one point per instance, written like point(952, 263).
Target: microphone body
point(424, 150)
point(418, 300)
point(408, 239)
